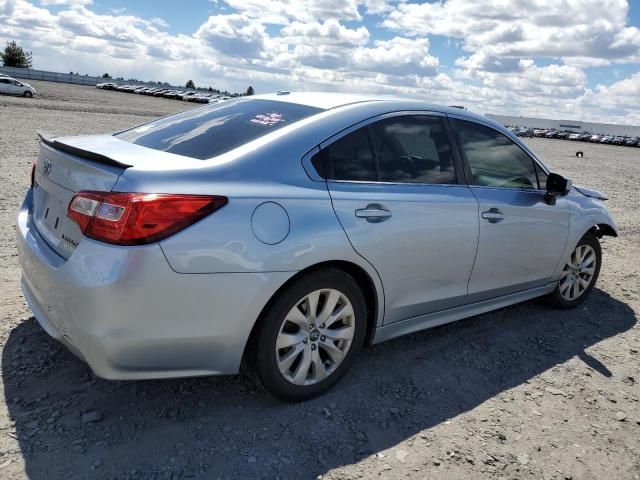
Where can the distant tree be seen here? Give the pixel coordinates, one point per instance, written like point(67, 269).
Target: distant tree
point(250, 91)
point(190, 84)
point(15, 56)
point(106, 75)
point(210, 89)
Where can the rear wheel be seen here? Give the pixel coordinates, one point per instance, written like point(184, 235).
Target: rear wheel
point(27, 94)
point(310, 336)
point(579, 275)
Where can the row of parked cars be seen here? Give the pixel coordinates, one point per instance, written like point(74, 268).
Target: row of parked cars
point(578, 137)
point(185, 95)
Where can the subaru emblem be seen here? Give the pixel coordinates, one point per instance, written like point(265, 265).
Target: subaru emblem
point(46, 167)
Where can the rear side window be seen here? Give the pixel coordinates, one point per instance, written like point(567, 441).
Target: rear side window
point(413, 149)
point(350, 158)
point(494, 160)
point(211, 131)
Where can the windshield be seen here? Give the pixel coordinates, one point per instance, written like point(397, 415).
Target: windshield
point(211, 131)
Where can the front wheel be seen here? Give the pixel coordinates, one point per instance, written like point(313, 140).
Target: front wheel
point(579, 275)
point(310, 336)
point(27, 94)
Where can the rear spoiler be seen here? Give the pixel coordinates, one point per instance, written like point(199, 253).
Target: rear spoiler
point(79, 152)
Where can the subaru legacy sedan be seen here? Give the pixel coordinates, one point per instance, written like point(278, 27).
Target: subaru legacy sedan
point(278, 234)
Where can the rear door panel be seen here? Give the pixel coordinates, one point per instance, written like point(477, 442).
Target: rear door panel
point(423, 252)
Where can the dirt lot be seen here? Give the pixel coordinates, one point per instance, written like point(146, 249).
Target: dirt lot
point(526, 392)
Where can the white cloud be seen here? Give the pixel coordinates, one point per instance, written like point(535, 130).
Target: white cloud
point(619, 100)
point(333, 45)
point(234, 35)
point(492, 63)
point(398, 56)
point(525, 28)
point(285, 11)
point(331, 32)
point(70, 3)
point(377, 7)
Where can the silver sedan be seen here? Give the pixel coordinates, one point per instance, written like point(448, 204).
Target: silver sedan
point(281, 233)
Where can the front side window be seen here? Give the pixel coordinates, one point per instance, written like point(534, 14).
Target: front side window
point(207, 132)
point(494, 160)
point(542, 177)
point(413, 149)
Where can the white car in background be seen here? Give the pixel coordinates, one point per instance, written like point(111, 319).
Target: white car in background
point(11, 86)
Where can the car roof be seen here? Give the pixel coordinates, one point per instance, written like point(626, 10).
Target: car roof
point(330, 100)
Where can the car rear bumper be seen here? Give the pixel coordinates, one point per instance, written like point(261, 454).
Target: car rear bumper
point(129, 316)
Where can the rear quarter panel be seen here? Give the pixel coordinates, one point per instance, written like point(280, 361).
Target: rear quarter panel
point(225, 241)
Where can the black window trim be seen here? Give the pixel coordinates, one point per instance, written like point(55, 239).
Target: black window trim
point(321, 147)
point(465, 163)
point(308, 166)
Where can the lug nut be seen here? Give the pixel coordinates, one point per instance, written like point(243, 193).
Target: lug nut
point(323, 338)
point(313, 346)
point(305, 340)
point(322, 326)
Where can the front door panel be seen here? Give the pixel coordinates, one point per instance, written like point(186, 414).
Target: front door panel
point(521, 241)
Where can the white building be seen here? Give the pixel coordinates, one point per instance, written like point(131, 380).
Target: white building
point(567, 125)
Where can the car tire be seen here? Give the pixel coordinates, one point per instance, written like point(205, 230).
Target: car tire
point(583, 266)
point(27, 94)
point(269, 366)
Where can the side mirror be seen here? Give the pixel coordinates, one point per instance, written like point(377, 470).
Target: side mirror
point(557, 185)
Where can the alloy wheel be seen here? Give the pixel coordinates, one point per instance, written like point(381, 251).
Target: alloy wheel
point(315, 337)
point(578, 273)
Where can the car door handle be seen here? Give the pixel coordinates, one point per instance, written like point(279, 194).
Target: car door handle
point(373, 213)
point(493, 215)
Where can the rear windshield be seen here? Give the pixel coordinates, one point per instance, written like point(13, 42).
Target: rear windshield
point(213, 130)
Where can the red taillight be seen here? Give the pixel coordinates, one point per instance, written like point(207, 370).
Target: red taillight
point(138, 218)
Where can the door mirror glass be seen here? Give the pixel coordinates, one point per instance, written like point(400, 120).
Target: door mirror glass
point(558, 185)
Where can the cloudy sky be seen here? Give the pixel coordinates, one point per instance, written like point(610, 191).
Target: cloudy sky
point(572, 59)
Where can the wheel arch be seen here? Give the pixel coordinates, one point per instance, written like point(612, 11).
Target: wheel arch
point(603, 229)
point(360, 275)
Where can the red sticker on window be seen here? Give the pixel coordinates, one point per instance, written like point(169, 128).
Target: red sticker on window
point(267, 119)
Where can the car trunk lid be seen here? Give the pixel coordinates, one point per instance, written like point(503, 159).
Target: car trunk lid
point(67, 165)
point(59, 175)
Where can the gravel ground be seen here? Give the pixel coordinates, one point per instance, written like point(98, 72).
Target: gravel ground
point(525, 392)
